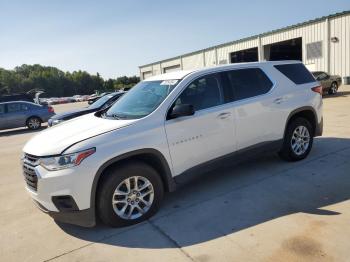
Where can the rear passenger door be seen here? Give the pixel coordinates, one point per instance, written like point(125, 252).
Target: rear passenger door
point(255, 107)
point(16, 114)
point(207, 134)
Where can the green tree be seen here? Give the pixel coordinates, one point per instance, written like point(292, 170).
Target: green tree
point(58, 83)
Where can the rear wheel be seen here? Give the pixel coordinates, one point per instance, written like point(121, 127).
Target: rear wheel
point(333, 89)
point(298, 140)
point(129, 194)
point(34, 123)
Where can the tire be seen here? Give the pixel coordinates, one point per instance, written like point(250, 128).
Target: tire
point(33, 123)
point(115, 178)
point(333, 89)
point(291, 144)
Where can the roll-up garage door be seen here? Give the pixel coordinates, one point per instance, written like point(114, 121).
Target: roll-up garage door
point(146, 74)
point(171, 68)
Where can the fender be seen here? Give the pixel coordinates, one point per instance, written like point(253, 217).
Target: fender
point(318, 126)
point(166, 176)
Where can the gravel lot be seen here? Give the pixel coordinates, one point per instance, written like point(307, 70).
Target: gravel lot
point(262, 210)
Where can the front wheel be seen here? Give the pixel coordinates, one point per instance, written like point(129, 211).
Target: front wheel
point(333, 89)
point(297, 141)
point(129, 194)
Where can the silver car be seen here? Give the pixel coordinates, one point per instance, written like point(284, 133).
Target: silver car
point(21, 113)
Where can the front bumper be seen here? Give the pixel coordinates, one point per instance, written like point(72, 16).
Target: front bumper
point(52, 122)
point(64, 194)
point(84, 218)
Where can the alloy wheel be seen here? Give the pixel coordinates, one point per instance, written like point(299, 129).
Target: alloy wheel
point(300, 140)
point(334, 88)
point(34, 123)
point(133, 197)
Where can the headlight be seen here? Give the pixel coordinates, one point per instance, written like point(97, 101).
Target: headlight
point(56, 121)
point(65, 161)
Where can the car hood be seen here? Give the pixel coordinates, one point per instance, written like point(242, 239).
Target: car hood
point(73, 113)
point(55, 140)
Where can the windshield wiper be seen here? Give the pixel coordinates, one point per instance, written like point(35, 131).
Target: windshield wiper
point(115, 116)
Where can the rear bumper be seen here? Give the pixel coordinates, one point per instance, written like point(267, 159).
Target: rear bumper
point(319, 128)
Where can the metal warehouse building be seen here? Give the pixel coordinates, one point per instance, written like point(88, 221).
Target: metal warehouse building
point(323, 44)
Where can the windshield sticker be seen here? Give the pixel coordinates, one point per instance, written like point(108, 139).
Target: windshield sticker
point(169, 82)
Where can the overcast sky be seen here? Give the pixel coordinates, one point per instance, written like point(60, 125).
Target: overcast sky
point(115, 37)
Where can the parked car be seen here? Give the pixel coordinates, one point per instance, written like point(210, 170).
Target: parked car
point(16, 97)
point(117, 163)
point(21, 113)
point(78, 98)
point(94, 97)
point(329, 83)
point(100, 104)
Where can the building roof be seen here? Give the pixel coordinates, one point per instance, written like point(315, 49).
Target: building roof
point(171, 75)
point(176, 75)
point(255, 36)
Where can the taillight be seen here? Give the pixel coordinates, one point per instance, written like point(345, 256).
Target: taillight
point(317, 89)
point(51, 109)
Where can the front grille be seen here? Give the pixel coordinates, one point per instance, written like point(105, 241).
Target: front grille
point(29, 162)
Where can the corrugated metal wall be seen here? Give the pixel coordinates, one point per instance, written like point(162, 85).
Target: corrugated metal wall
point(340, 51)
point(224, 52)
point(193, 61)
point(335, 55)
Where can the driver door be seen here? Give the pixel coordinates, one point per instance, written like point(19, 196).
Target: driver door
point(206, 135)
point(3, 122)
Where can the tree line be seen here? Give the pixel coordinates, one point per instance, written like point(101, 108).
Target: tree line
point(57, 83)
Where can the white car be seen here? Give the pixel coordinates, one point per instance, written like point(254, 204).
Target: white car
point(117, 164)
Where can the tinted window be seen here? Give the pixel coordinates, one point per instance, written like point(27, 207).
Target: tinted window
point(11, 108)
point(296, 73)
point(203, 93)
point(24, 107)
point(2, 109)
point(100, 102)
point(249, 82)
point(320, 75)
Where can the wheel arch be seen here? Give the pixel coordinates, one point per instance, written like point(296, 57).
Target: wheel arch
point(306, 112)
point(148, 155)
point(31, 116)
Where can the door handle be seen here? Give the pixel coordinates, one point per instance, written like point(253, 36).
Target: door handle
point(278, 100)
point(224, 115)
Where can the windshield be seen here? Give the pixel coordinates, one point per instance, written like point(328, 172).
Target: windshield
point(142, 99)
point(100, 102)
point(317, 74)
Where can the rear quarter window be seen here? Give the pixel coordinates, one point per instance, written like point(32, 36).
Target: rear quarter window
point(249, 82)
point(297, 73)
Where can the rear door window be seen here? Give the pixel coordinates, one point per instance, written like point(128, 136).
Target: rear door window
point(248, 82)
point(24, 107)
point(297, 73)
point(13, 107)
point(2, 109)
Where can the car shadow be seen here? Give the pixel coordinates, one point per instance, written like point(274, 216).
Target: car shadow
point(20, 131)
point(234, 198)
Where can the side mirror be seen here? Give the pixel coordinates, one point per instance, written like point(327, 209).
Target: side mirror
point(181, 110)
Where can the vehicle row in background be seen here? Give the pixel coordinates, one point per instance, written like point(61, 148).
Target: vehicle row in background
point(21, 113)
point(102, 103)
point(329, 83)
point(93, 98)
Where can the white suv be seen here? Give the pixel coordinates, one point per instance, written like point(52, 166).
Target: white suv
point(117, 163)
